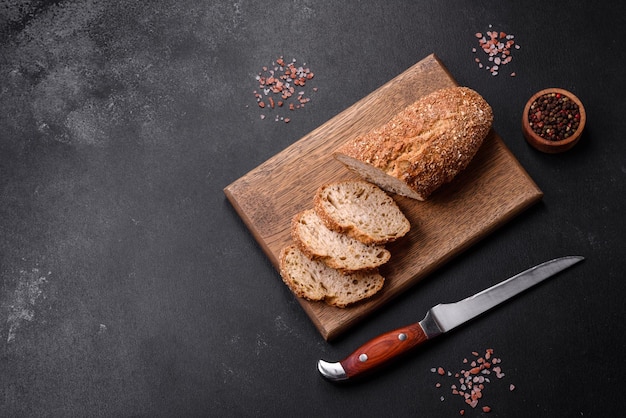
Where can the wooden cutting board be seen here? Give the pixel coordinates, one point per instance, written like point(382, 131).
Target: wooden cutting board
point(492, 190)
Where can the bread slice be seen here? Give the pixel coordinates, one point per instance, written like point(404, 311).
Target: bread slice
point(314, 280)
point(337, 250)
point(423, 146)
point(362, 210)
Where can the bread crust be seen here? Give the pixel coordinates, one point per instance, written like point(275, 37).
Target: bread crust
point(425, 145)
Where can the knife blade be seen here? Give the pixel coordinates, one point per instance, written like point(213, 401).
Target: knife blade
point(438, 320)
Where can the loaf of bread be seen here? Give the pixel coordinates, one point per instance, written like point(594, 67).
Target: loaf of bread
point(423, 146)
point(314, 280)
point(361, 210)
point(337, 250)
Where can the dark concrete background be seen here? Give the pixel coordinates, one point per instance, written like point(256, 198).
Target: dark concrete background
point(130, 287)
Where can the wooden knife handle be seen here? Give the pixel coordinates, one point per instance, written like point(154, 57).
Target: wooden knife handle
point(383, 349)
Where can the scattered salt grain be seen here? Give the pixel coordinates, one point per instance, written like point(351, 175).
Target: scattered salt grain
point(472, 383)
point(277, 82)
point(497, 46)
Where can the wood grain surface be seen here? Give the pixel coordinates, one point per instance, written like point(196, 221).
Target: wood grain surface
point(492, 190)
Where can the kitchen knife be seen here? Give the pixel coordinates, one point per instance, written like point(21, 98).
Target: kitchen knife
point(438, 320)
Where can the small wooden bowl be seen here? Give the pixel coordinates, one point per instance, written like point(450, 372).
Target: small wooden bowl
point(552, 146)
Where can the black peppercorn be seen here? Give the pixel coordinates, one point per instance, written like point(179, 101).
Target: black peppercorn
point(554, 116)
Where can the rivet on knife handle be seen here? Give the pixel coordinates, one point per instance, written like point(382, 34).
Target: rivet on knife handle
point(439, 319)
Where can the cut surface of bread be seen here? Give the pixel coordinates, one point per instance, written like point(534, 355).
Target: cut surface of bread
point(336, 249)
point(424, 146)
point(314, 280)
point(361, 210)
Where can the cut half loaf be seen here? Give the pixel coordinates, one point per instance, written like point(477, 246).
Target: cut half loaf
point(337, 250)
point(423, 146)
point(362, 210)
point(314, 280)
